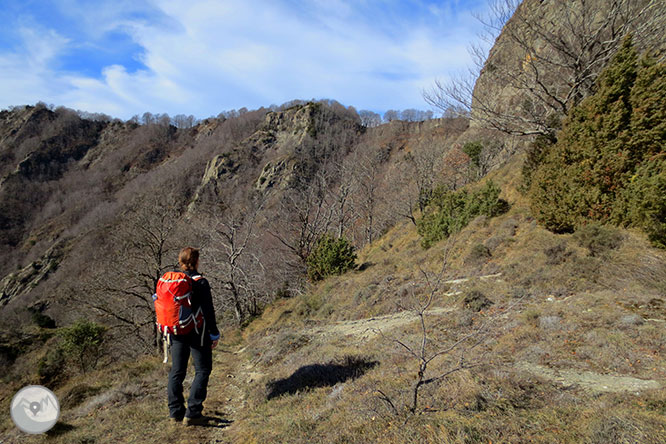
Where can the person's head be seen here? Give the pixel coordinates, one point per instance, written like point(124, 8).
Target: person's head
point(188, 259)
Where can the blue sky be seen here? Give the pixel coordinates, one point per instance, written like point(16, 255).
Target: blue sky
point(201, 57)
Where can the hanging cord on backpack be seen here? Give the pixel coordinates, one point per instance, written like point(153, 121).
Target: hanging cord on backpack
point(203, 330)
point(167, 343)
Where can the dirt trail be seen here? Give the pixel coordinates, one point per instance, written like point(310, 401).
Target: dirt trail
point(591, 381)
point(226, 396)
point(366, 328)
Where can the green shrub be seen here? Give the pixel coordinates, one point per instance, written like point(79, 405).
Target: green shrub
point(51, 366)
point(473, 150)
point(42, 320)
point(84, 343)
point(607, 164)
point(535, 156)
point(643, 202)
point(330, 256)
point(451, 211)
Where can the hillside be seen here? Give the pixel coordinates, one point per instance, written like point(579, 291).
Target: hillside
point(468, 315)
point(570, 349)
point(124, 197)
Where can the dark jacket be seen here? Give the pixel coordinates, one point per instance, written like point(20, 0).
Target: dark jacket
point(202, 298)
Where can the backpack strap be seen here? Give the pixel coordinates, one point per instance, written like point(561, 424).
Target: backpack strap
point(166, 337)
point(195, 278)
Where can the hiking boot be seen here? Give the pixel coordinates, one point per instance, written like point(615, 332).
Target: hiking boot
point(175, 420)
point(197, 420)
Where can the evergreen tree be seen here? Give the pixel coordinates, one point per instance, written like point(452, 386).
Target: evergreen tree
point(607, 163)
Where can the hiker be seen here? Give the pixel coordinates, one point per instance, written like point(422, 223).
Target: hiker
point(199, 342)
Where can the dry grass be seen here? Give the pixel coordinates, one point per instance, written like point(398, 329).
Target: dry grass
point(554, 306)
point(566, 310)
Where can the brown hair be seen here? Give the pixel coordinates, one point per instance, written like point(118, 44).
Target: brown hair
point(188, 259)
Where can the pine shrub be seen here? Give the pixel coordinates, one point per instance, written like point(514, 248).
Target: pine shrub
point(607, 164)
point(330, 256)
point(450, 211)
point(643, 202)
point(83, 342)
point(473, 150)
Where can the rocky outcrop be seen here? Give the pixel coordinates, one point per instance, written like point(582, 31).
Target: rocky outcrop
point(218, 170)
point(549, 53)
point(278, 173)
point(288, 143)
point(24, 280)
point(545, 61)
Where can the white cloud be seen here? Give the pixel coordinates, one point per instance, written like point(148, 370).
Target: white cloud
point(202, 57)
point(25, 74)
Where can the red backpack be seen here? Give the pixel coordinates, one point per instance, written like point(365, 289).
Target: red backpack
point(173, 305)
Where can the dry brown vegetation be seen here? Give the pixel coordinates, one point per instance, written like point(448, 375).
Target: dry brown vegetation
point(575, 352)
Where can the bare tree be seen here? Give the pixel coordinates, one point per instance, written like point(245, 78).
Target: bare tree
point(558, 48)
point(391, 115)
point(427, 353)
point(425, 164)
point(184, 122)
point(404, 191)
point(307, 214)
point(235, 260)
point(145, 247)
point(455, 169)
point(369, 119)
point(366, 198)
point(342, 196)
point(148, 118)
point(415, 115)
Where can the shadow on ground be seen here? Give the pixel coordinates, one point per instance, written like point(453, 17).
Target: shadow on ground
point(320, 375)
point(214, 422)
point(60, 428)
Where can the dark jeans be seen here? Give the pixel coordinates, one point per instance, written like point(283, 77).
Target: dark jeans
point(181, 348)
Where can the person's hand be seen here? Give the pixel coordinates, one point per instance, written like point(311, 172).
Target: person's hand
point(213, 345)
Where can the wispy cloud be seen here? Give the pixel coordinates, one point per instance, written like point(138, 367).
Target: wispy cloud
point(203, 56)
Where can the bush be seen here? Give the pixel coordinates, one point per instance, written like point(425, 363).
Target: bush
point(330, 256)
point(557, 254)
point(535, 156)
point(51, 366)
point(476, 301)
point(608, 163)
point(42, 320)
point(83, 342)
point(644, 200)
point(478, 254)
point(598, 239)
point(473, 150)
point(450, 211)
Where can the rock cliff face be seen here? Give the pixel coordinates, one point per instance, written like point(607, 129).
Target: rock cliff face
point(549, 53)
point(23, 281)
point(286, 145)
